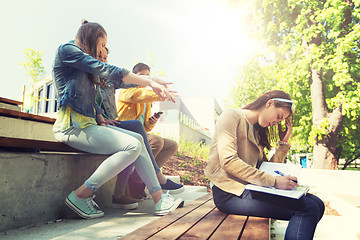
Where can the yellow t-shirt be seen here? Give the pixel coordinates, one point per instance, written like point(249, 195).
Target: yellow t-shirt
point(68, 119)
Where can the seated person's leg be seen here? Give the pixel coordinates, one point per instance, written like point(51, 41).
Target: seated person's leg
point(124, 150)
point(164, 203)
point(156, 144)
point(138, 127)
point(163, 149)
point(166, 184)
point(120, 198)
point(135, 187)
point(303, 214)
point(170, 147)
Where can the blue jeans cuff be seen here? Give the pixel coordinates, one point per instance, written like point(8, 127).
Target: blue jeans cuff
point(89, 186)
point(154, 189)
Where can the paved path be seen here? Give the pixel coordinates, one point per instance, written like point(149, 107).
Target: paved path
point(114, 224)
point(340, 188)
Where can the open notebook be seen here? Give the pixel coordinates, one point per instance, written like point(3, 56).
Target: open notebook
point(287, 169)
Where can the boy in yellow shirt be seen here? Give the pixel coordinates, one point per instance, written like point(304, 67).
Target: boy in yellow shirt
point(135, 103)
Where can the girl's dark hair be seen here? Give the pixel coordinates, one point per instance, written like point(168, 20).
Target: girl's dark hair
point(88, 35)
point(265, 135)
point(87, 38)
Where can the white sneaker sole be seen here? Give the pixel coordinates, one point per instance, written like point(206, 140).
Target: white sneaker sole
point(178, 203)
point(175, 191)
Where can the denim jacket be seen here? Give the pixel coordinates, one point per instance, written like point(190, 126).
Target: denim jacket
point(105, 97)
point(71, 78)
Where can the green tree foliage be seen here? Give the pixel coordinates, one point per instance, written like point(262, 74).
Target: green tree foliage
point(252, 82)
point(33, 65)
point(35, 70)
point(315, 57)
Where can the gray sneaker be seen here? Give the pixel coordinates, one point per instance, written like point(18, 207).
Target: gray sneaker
point(86, 208)
point(167, 204)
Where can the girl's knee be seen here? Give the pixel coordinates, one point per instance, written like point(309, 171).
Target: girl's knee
point(320, 205)
point(133, 147)
point(139, 138)
point(315, 206)
point(138, 144)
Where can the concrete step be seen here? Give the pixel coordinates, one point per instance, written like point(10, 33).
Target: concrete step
point(114, 224)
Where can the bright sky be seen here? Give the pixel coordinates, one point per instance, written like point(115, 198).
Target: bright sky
point(199, 44)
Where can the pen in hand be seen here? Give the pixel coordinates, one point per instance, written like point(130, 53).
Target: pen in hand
point(281, 174)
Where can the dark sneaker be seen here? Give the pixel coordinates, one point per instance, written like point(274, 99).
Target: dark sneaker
point(167, 204)
point(172, 187)
point(86, 208)
point(124, 203)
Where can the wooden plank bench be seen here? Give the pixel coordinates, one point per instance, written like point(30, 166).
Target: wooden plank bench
point(18, 144)
point(26, 143)
point(10, 104)
point(200, 219)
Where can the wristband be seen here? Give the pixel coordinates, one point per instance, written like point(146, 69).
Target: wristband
point(283, 143)
point(102, 122)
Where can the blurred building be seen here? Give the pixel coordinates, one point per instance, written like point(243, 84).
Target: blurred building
point(41, 99)
point(192, 119)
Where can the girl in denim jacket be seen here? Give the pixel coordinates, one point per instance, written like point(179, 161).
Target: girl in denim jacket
point(80, 123)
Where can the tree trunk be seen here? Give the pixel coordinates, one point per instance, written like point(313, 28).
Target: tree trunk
point(324, 148)
point(325, 152)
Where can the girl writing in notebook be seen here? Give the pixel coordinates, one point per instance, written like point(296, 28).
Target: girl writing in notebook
point(238, 150)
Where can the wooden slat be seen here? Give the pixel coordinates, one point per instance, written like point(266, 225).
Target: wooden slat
point(27, 116)
point(256, 229)
point(231, 228)
point(39, 145)
point(10, 101)
point(205, 228)
point(176, 229)
point(201, 220)
point(155, 226)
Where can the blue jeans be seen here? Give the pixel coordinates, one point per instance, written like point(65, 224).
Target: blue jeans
point(138, 127)
point(303, 214)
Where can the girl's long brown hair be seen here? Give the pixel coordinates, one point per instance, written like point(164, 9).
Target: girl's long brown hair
point(265, 136)
point(87, 38)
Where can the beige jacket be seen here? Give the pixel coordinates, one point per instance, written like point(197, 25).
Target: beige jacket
point(235, 155)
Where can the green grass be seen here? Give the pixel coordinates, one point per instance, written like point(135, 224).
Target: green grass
point(351, 168)
point(182, 165)
point(196, 150)
point(186, 178)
